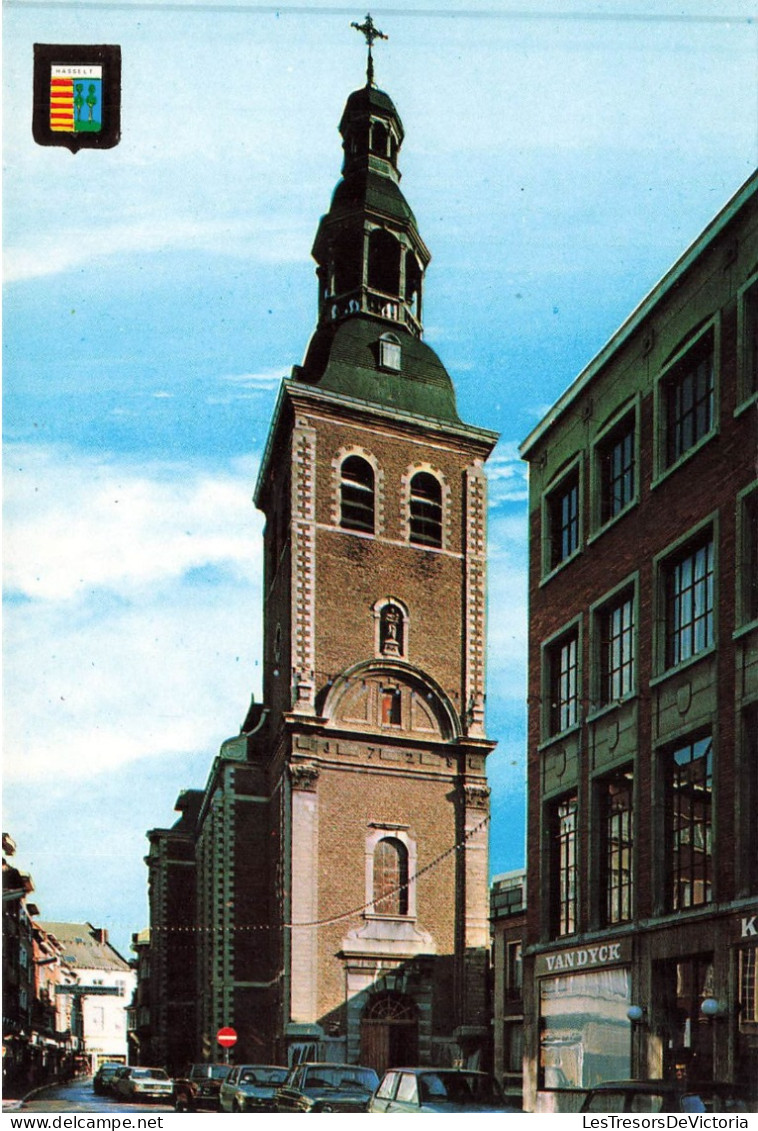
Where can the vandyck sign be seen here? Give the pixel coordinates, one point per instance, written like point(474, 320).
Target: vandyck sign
point(584, 958)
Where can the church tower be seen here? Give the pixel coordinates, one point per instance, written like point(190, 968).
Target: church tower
point(344, 837)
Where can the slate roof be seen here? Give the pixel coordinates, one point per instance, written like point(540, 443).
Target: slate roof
point(82, 948)
point(344, 359)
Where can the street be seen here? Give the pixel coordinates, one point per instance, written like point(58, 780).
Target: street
point(78, 1096)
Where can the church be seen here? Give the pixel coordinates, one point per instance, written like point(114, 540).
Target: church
point(326, 894)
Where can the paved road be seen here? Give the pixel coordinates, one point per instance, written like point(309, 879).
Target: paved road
point(78, 1096)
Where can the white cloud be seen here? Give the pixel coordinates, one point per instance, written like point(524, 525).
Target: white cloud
point(133, 621)
point(282, 239)
point(74, 527)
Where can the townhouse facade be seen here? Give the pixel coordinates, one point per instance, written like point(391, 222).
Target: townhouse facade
point(643, 690)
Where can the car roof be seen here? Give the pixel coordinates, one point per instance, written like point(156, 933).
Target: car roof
point(659, 1085)
point(439, 1071)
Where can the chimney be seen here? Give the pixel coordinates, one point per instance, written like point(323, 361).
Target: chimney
point(101, 935)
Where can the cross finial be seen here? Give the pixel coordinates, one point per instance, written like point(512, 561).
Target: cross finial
point(371, 32)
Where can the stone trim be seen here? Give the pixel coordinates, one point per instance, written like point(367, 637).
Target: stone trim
point(303, 509)
point(476, 598)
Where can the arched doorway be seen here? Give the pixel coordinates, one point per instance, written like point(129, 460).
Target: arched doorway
point(389, 1032)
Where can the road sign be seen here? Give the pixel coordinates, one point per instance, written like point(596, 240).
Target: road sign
point(226, 1038)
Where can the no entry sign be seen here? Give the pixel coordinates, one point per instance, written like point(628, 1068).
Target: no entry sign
point(226, 1038)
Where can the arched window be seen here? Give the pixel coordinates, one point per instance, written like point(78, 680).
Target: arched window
point(384, 262)
point(390, 877)
point(426, 510)
point(379, 139)
point(357, 495)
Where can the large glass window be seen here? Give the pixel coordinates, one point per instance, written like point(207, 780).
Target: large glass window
point(616, 815)
point(688, 581)
point(748, 986)
point(689, 823)
point(563, 520)
point(584, 1030)
point(426, 510)
point(564, 865)
point(563, 683)
point(617, 640)
point(357, 495)
point(390, 877)
point(689, 391)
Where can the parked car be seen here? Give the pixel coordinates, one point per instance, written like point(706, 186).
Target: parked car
point(664, 1096)
point(251, 1087)
point(103, 1078)
point(138, 1083)
point(199, 1086)
point(326, 1087)
point(420, 1090)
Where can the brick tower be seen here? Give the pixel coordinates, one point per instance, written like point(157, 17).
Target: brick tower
point(342, 847)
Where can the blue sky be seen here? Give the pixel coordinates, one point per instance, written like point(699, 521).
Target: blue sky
point(557, 162)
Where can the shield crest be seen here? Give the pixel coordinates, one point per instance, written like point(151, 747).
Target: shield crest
point(77, 96)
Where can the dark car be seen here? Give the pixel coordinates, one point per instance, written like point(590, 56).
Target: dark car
point(663, 1096)
point(326, 1087)
point(251, 1087)
point(419, 1090)
point(198, 1087)
point(103, 1078)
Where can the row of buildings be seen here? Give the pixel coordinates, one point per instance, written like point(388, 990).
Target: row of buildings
point(326, 892)
point(65, 991)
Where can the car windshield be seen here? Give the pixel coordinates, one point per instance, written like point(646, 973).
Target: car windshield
point(344, 1079)
point(458, 1087)
point(263, 1076)
point(149, 1074)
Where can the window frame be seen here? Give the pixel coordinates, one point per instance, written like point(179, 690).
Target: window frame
point(563, 857)
point(376, 832)
point(626, 591)
point(676, 875)
point(679, 364)
point(747, 383)
point(550, 649)
point(414, 539)
point(746, 608)
point(663, 562)
point(354, 485)
point(553, 493)
point(609, 893)
point(622, 420)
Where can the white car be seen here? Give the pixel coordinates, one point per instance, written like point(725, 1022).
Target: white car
point(139, 1083)
point(251, 1087)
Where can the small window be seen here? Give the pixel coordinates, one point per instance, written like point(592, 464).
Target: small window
point(426, 510)
point(389, 352)
point(617, 647)
point(390, 895)
point(563, 520)
point(688, 594)
point(689, 399)
point(689, 807)
point(357, 495)
point(563, 885)
point(514, 971)
point(391, 706)
point(563, 683)
point(617, 472)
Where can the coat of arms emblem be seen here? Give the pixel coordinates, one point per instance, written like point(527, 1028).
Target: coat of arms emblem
point(77, 95)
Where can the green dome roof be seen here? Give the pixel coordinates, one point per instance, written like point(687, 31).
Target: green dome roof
point(343, 358)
